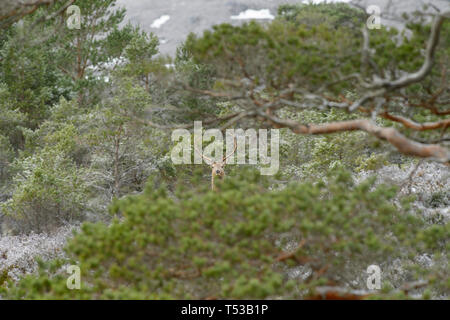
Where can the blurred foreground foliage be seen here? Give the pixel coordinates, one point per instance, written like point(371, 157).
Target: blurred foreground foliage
point(243, 243)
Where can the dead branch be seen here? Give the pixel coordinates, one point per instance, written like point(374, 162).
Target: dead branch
point(12, 11)
point(425, 69)
point(402, 143)
point(415, 125)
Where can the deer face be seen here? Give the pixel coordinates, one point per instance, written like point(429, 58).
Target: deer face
point(218, 169)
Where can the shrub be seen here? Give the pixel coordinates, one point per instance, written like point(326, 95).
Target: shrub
point(48, 192)
point(438, 199)
point(6, 157)
point(243, 243)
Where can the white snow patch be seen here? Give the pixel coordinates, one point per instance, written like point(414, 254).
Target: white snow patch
point(160, 21)
point(18, 253)
point(429, 178)
point(254, 14)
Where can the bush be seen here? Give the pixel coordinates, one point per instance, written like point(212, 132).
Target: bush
point(244, 242)
point(337, 14)
point(48, 192)
point(6, 157)
point(438, 199)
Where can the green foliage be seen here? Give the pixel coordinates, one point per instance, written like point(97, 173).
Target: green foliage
point(310, 157)
point(195, 74)
point(61, 132)
point(140, 54)
point(98, 41)
point(117, 40)
point(48, 192)
point(309, 47)
point(6, 158)
point(439, 199)
point(73, 137)
point(11, 119)
point(225, 245)
point(278, 55)
point(121, 150)
point(306, 46)
point(98, 20)
point(38, 63)
point(117, 152)
point(336, 14)
point(29, 72)
point(142, 47)
point(4, 278)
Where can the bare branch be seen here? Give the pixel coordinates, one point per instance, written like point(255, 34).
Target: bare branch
point(54, 14)
point(12, 11)
point(415, 125)
point(402, 143)
point(411, 78)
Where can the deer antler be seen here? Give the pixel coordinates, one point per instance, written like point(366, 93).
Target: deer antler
point(234, 150)
point(207, 160)
point(217, 167)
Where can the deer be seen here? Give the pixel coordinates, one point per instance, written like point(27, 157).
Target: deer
point(217, 167)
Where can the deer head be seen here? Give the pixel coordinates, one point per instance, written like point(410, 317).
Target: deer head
point(217, 167)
